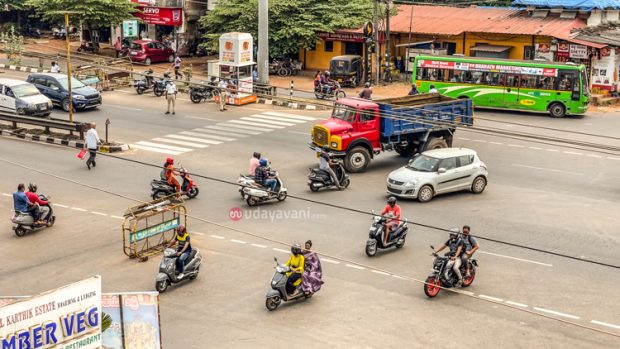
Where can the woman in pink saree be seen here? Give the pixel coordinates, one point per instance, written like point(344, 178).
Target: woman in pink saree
point(312, 277)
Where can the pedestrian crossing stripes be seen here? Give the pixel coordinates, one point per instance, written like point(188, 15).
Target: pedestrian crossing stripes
point(221, 132)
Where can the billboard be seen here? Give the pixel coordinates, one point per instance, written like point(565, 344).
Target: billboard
point(133, 321)
point(236, 49)
point(63, 318)
point(172, 16)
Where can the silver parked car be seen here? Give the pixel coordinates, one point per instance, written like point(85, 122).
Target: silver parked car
point(439, 171)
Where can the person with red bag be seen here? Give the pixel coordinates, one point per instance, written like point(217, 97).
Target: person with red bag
point(92, 142)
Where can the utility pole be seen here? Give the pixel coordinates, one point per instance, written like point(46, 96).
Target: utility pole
point(376, 39)
point(68, 67)
point(263, 42)
point(387, 34)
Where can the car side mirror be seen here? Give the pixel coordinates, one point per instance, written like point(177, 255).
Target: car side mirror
point(441, 170)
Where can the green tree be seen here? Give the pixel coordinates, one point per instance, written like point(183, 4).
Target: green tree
point(12, 5)
point(293, 24)
point(14, 46)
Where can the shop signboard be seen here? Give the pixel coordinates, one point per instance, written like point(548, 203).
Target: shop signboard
point(130, 28)
point(604, 73)
point(578, 51)
point(171, 16)
point(63, 318)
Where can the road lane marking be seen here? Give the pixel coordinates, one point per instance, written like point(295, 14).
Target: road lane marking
point(258, 245)
point(5, 194)
point(612, 158)
point(465, 139)
point(469, 293)
point(496, 143)
point(175, 141)
point(244, 127)
point(594, 156)
point(535, 148)
point(186, 135)
point(78, 209)
point(200, 118)
point(546, 169)
point(212, 134)
point(265, 122)
point(157, 150)
point(258, 125)
point(480, 140)
point(552, 150)
point(287, 115)
point(515, 145)
point(300, 133)
point(515, 258)
point(198, 233)
point(117, 217)
point(99, 213)
point(163, 146)
point(572, 152)
point(122, 107)
point(380, 272)
point(354, 266)
point(398, 277)
point(521, 305)
point(605, 324)
point(548, 311)
point(233, 131)
point(490, 298)
point(238, 241)
point(217, 237)
point(280, 250)
point(327, 260)
point(276, 118)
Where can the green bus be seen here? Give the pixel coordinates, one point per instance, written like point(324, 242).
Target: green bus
point(557, 88)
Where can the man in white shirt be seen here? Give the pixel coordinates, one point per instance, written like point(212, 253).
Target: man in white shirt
point(171, 95)
point(55, 68)
point(223, 85)
point(92, 142)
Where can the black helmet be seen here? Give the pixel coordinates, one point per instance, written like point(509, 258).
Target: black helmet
point(32, 187)
point(454, 232)
point(391, 201)
point(296, 249)
point(326, 147)
point(257, 155)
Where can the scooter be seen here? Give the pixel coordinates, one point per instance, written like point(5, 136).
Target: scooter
point(334, 91)
point(375, 236)
point(256, 193)
point(201, 93)
point(277, 293)
point(160, 187)
point(438, 280)
point(245, 181)
point(318, 178)
point(23, 222)
point(167, 269)
point(160, 85)
point(144, 84)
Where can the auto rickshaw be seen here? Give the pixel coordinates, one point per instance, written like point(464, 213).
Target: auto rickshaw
point(347, 70)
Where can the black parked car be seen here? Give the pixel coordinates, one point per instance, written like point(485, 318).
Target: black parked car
point(55, 87)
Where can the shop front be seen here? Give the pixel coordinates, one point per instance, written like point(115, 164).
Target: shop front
point(164, 24)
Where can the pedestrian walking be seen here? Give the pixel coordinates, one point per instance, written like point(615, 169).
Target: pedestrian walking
point(92, 142)
point(171, 96)
point(55, 68)
point(177, 67)
point(118, 46)
point(223, 85)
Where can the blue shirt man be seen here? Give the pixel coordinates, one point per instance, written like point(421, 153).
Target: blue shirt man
point(20, 200)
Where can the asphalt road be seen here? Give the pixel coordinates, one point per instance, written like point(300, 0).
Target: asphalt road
point(543, 196)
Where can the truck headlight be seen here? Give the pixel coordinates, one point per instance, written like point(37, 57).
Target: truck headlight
point(334, 145)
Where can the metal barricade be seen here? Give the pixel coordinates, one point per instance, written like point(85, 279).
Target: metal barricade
point(149, 227)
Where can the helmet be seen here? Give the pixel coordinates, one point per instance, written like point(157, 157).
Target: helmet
point(326, 147)
point(327, 73)
point(170, 161)
point(454, 232)
point(367, 84)
point(32, 187)
point(296, 249)
point(262, 162)
point(257, 155)
point(391, 201)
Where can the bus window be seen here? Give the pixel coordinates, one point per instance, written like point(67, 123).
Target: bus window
point(529, 81)
point(545, 82)
point(584, 83)
point(566, 80)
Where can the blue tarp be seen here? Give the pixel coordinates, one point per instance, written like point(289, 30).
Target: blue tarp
point(586, 5)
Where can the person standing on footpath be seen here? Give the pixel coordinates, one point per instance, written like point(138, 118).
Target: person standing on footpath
point(177, 67)
point(171, 95)
point(118, 46)
point(55, 68)
point(223, 85)
point(92, 142)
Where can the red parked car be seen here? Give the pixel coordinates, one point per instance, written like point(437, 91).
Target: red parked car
point(148, 51)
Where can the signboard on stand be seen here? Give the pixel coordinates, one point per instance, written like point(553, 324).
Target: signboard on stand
point(130, 28)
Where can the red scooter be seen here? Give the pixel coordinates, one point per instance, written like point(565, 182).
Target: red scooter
point(161, 188)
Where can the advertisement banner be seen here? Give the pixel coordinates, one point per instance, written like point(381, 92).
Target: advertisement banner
point(154, 230)
point(578, 51)
point(171, 16)
point(130, 28)
point(112, 336)
point(492, 68)
point(236, 49)
point(141, 321)
point(65, 318)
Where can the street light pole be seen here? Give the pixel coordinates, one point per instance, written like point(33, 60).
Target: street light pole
point(263, 42)
point(69, 67)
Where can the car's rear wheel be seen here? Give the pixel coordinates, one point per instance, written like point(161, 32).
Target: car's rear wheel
point(65, 104)
point(478, 185)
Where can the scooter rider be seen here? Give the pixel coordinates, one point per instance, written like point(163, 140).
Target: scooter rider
point(455, 243)
point(393, 210)
point(184, 248)
point(34, 200)
point(325, 163)
point(170, 172)
point(254, 163)
point(471, 246)
point(20, 200)
point(296, 263)
point(262, 176)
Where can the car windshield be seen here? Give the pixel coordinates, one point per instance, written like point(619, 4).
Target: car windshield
point(344, 113)
point(136, 47)
point(75, 83)
point(423, 163)
point(25, 90)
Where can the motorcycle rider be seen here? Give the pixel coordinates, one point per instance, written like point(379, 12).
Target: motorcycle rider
point(21, 202)
point(184, 248)
point(325, 164)
point(262, 176)
point(296, 262)
point(34, 201)
point(366, 93)
point(327, 82)
point(455, 243)
point(471, 246)
point(170, 172)
point(392, 210)
point(254, 163)
point(414, 90)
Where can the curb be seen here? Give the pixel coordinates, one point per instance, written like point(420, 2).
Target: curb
point(292, 105)
point(59, 141)
point(23, 69)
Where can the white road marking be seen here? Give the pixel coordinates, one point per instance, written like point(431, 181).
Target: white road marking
point(121, 107)
point(256, 125)
point(490, 298)
point(200, 118)
point(354, 266)
point(327, 260)
point(547, 169)
point(217, 237)
point(551, 150)
point(287, 115)
point(174, 141)
point(78, 209)
point(605, 324)
point(259, 246)
point(99, 213)
point(515, 258)
point(380, 272)
point(521, 305)
point(163, 146)
point(208, 133)
point(574, 317)
point(5, 194)
point(398, 277)
point(60, 205)
point(157, 150)
point(496, 143)
point(267, 120)
point(515, 145)
point(238, 241)
point(480, 140)
point(236, 125)
point(612, 158)
point(117, 217)
point(278, 118)
point(280, 250)
point(198, 233)
point(465, 139)
point(594, 156)
point(300, 133)
point(535, 148)
point(233, 131)
point(572, 152)
point(201, 138)
point(469, 293)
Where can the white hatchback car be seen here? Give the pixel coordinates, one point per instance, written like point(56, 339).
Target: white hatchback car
point(23, 98)
point(438, 171)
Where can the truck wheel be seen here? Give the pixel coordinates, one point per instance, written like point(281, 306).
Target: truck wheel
point(357, 160)
point(435, 143)
point(407, 151)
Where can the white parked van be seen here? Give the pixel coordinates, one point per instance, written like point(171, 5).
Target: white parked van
point(23, 98)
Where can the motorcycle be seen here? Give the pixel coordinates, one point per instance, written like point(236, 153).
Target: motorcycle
point(86, 46)
point(375, 236)
point(278, 293)
point(145, 83)
point(160, 187)
point(203, 92)
point(334, 91)
point(23, 222)
point(438, 280)
point(256, 193)
point(160, 85)
point(318, 178)
point(167, 269)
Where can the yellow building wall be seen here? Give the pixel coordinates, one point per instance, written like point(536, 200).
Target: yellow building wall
point(318, 59)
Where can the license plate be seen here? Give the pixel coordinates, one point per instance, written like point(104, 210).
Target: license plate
point(339, 80)
point(134, 53)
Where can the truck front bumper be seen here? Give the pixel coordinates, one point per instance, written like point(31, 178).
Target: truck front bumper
point(318, 149)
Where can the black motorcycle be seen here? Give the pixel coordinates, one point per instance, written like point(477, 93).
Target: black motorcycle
point(375, 236)
point(149, 83)
point(438, 280)
point(160, 85)
point(318, 178)
point(87, 46)
point(201, 93)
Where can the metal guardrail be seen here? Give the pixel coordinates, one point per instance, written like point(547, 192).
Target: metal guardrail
point(48, 124)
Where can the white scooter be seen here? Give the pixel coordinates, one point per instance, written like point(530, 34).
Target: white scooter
point(245, 181)
point(256, 193)
point(23, 222)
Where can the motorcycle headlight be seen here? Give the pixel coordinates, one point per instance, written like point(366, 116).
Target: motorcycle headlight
point(274, 283)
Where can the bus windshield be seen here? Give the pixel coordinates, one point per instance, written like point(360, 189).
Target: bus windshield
point(344, 113)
